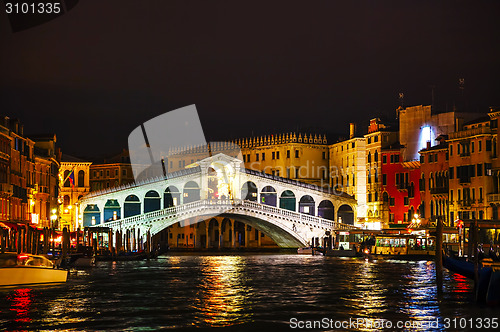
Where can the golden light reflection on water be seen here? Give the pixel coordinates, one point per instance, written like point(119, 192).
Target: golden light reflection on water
point(222, 294)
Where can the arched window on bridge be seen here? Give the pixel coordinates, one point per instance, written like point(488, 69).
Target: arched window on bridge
point(151, 201)
point(325, 210)
point(132, 206)
point(268, 196)
point(91, 215)
point(111, 210)
point(249, 191)
point(171, 197)
point(288, 200)
point(306, 205)
point(191, 192)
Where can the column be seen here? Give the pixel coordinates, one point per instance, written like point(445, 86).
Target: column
point(221, 239)
point(207, 227)
point(233, 234)
point(259, 238)
point(247, 236)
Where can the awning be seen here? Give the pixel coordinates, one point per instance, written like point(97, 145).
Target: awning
point(9, 225)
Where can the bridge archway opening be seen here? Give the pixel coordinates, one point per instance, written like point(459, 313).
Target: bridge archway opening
point(306, 205)
point(111, 210)
point(151, 201)
point(221, 172)
point(131, 206)
point(171, 197)
point(249, 191)
point(288, 200)
point(326, 210)
point(91, 215)
point(191, 192)
point(268, 196)
point(213, 182)
point(346, 214)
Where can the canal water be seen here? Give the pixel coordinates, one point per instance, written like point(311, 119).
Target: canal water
point(245, 292)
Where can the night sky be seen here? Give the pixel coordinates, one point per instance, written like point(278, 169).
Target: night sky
point(103, 68)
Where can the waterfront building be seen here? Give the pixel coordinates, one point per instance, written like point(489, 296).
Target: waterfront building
point(347, 165)
point(434, 183)
point(471, 152)
point(46, 180)
point(5, 186)
point(400, 188)
point(493, 195)
point(75, 183)
point(379, 136)
point(111, 172)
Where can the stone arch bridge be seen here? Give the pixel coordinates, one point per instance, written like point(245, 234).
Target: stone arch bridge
point(291, 213)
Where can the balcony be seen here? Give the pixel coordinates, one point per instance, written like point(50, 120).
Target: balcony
point(439, 190)
point(465, 202)
point(470, 132)
point(493, 198)
point(403, 186)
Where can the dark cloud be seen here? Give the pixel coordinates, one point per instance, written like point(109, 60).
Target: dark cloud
point(95, 73)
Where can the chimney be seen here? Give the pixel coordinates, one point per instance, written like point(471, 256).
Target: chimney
point(352, 130)
point(428, 144)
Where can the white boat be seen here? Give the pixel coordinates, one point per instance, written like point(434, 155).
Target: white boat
point(27, 269)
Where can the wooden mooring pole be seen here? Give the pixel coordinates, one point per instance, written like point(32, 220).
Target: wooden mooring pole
point(439, 255)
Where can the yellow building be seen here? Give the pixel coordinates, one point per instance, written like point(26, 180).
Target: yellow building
point(379, 137)
point(471, 152)
point(300, 157)
point(77, 171)
point(347, 166)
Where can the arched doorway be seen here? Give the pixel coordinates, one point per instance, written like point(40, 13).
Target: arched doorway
point(131, 206)
point(287, 200)
point(191, 192)
point(346, 214)
point(249, 191)
point(306, 205)
point(171, 197)
point(325, 210)
point(151, 201)
point(91, 215)
point(111, 210)
point(268, 196)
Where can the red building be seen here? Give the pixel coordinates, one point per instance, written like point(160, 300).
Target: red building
point(400, 190)
point(434, 165)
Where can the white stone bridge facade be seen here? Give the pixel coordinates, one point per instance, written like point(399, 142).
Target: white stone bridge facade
point(291, 213)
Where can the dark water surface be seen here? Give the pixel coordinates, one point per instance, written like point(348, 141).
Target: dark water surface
point(243, 292)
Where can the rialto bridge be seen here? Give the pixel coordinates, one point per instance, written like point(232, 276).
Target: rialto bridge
point(211, 196)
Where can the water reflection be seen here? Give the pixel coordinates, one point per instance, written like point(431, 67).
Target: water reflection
point(21, 301)
point(222, 293)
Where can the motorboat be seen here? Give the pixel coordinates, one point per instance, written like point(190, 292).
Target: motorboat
point(401, 246)
point(26, 269)
point(309, 251)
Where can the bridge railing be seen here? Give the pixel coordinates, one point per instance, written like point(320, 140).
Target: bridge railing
point(226, 206)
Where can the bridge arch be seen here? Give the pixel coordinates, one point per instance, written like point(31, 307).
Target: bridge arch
point(111, 210)
point(288, 200)
point(151, 201)
point(171, 197)
point(191, 192)
point(268, 196)
point(249, 191)
point(131, 206)
point(306, 205)
point(326, 210)
point(346, 214)
point(91, 215)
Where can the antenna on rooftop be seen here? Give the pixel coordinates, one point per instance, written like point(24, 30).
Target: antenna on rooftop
point(402, 99)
